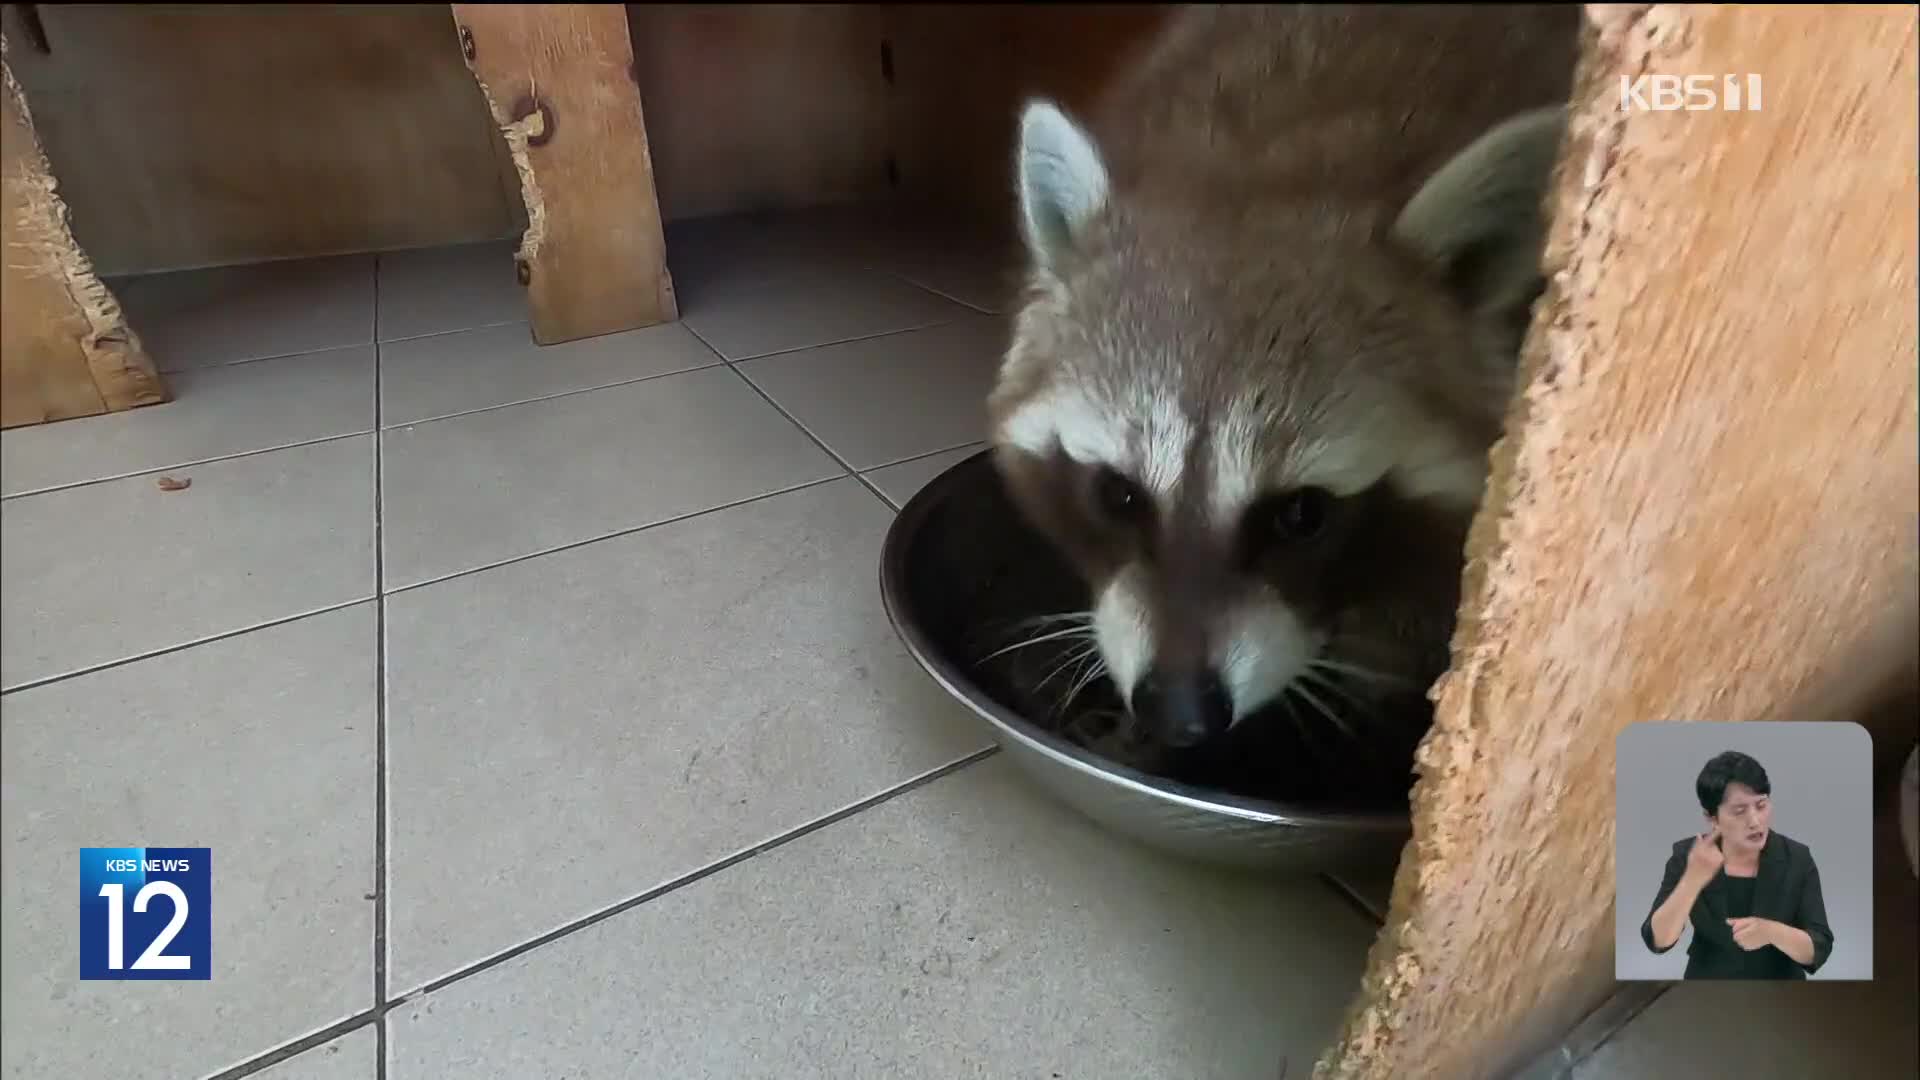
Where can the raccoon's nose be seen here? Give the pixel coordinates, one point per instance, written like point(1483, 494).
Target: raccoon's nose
point(1183, 710)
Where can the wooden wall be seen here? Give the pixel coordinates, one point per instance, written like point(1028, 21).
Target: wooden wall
point(191, 135)
point(963, 71)
point(761, 106)
point(768, 106)
point(195, 134)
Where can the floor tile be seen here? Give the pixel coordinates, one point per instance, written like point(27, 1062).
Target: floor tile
point(199, 318)
point(118, 569)
point(900, 483)
point(985, 281)
point(881, 400)
point(216, 412)
point(435, 290)
point(353, 1056)
point(442, 374)
point(1862, 1028)
point(626, 712)
point(963, 929)
point(737, 249)
point(1372, 884)
point(490, 486)
point(747, 318)
point(260, 747)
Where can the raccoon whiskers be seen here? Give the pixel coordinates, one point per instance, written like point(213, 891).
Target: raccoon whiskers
point(1303, 686)
point(1080, 624)
point(1072, 659)
point(1360, 673)
point(1288, 704)
point(1053, 619)
point(1096, 667)
point(1320, 680)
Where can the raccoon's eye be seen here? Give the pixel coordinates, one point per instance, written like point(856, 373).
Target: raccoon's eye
point(1118, 497)
point(1293, 516)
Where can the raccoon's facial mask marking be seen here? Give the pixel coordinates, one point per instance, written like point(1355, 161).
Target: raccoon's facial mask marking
point(1259, 648)
point(1265, 649)
point(1122, 629)
point(1150, 443)
point(1203, 477)
point(1194, 634)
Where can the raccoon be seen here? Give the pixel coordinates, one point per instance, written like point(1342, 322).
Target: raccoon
point(1276, 286)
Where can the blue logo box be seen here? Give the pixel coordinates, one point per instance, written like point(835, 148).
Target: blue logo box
point(146, 913)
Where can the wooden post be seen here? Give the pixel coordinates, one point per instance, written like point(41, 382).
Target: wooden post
point(1704, 508)
point(560, 81)
point(65, 347)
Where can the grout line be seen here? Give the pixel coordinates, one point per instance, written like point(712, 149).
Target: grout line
point(403, 424)
point(222, 365)
point(935, 325)
point(378, 1015)
point(911, 458)
point(721, 360)
point(194, 464)
point(777, 407)
point(944, 295)
point(975, 445)
point(378, 422)
point(688, 516)
point(298, 1046)
point(461, 330)
point(195, 643)
point(379, 702)
point(1592, 1031)
point(1353, 898)
point(282, 621)
point(709, 870)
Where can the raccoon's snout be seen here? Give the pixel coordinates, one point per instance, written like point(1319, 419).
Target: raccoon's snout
point(1182, 710)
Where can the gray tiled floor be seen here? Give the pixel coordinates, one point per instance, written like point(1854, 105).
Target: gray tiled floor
point(554, 685)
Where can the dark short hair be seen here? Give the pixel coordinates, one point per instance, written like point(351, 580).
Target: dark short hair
point(1732, 767)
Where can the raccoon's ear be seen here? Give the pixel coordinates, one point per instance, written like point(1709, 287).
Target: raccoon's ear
point(1062, 181)
point(1480, 220)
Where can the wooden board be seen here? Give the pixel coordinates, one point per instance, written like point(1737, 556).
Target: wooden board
point(560, 81)
point(1704, 510)
point(762, 106)
point(189, 135)
point(963, 72)
point(326, 129)
point(65, 348)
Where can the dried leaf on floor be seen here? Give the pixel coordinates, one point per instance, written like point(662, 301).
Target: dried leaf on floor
point(168, 483)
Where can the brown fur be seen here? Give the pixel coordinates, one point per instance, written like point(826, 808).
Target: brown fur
point(1256, 161)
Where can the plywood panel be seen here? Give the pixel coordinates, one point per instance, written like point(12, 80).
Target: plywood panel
point(964, 70)
point(762, 106)
point(559, 80)
point(65, 348)
point(1704, 511)
point(191, 135)
point(198, 134)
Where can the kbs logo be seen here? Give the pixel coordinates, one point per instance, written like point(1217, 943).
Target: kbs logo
point(1690, 93)
point(146, 913)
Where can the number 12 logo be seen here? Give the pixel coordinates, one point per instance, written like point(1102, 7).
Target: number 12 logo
point(151, 904)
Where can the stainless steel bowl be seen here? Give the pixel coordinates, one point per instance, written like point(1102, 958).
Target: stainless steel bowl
point(962, 526)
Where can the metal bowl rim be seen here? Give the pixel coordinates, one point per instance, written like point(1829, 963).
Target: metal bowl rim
point(906, 527)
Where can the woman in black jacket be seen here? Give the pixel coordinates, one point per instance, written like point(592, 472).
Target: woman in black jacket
point(1752, 894)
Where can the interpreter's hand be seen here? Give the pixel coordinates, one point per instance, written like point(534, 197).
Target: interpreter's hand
point(1706, 858)
point(1752, 933)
